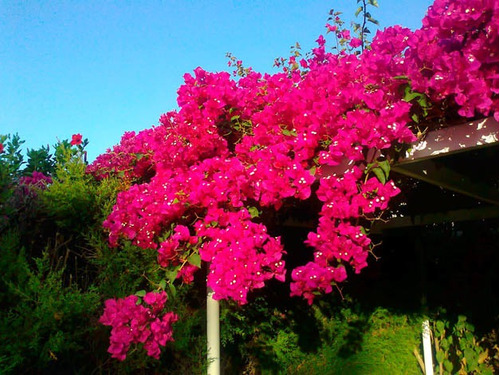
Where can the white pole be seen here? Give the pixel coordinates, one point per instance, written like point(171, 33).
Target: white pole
point(213, 335)
point(426, 340)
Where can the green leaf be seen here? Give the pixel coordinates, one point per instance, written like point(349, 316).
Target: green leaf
point(234, 118)
point(253, 211)
point(469, 356)
point(312, 171)
point(173, 291)
point(469, 337)
point(439, 327)
point(379, 173)
point(422, 102)
point(358, 11)
point(373, 2)
point(410, 94)
point(440, 356)
point(448, 365)
point(162, 284)
point(140, 293)
point(195, 260)
point(172, 274)
point(386, 167)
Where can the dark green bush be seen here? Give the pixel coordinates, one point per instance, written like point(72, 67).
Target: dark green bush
point(46, 324)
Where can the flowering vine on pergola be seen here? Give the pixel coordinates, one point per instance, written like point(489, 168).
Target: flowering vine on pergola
point(328, 127)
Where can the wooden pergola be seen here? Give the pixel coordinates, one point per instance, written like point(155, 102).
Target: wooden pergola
point(462, 159)
point(432, 160)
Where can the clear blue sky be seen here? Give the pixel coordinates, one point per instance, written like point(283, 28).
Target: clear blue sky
point(101, 68)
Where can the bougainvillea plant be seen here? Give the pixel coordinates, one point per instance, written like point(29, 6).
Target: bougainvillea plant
point(328, 126)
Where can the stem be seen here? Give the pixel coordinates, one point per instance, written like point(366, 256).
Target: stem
point(363, 27)
point(419, 360)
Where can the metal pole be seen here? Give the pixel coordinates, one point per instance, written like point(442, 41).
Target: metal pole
point(213, 335)
point(426, 339)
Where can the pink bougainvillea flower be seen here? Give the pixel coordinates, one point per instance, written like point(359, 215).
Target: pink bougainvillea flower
point(331, 28)
point(345, 34)
point(76, 139)
point(355, 42)
point(133, 322)
point(1, 148)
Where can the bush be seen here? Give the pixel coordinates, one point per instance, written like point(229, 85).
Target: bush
point(327, 339)
point(46, 324)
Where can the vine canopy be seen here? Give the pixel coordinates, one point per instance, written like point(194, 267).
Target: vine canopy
point(203, 183)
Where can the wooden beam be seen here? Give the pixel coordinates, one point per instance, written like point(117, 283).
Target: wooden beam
point(487, 212)
point(453, 139)
point(421, 160)
point(401, 221)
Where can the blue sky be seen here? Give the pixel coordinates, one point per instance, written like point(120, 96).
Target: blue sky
point(101, 68)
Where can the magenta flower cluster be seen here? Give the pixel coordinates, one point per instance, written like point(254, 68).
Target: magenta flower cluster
point(37, 179)
point(235, 148)
point(455, 54)
point(135, 323)
point(28, 185)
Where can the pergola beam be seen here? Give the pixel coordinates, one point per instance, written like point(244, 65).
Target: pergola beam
point(422, 159)
point(453, 139)
point(469, 214)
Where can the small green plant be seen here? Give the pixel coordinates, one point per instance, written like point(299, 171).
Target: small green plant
point(458, 350)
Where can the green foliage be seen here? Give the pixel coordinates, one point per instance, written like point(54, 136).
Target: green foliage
point(123, 270)
point(420, 103)
point(187, 354)
point(12, 264)
point(46, 326)
point(69, 200)
point(11, 159)
point(459, 351)
point(344, 339)
point(380, 169)
point(324, 339)
point(40, 160)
